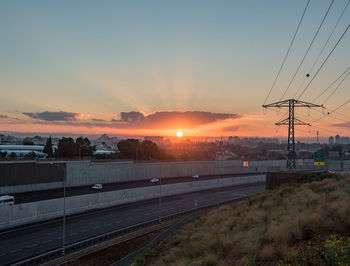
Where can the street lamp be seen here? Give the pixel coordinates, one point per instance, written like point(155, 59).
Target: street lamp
point(218, 191)
point(160, 199)
point(64, 210)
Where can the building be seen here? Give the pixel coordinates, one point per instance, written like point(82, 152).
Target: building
point(337, 139)
point(331, 140)
point(345, 140)
point(21, 151)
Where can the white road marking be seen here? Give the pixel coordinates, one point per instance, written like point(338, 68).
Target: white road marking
point(46, 241)
point(32, 245)
point(15, 250)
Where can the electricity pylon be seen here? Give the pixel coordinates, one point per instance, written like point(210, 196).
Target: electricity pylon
point(291, 121)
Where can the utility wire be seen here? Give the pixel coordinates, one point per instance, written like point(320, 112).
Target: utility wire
point(324, 46)
point(336, 88)
point(340, 106)
point(285, 57)
point(331, 84)
point(308, 49)
point(318, 70)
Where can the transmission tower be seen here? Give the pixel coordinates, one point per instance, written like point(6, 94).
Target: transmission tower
point(291, 121)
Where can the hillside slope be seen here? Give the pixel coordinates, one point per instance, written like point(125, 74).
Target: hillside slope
point(305, 223)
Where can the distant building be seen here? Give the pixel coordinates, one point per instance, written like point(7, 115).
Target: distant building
point(331, 140)
point(337, 139)
point(345, 140)
point(21, 151)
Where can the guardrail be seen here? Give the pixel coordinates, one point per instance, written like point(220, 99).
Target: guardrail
point(57, 252)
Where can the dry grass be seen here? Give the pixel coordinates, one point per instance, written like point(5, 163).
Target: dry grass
point(262, 229)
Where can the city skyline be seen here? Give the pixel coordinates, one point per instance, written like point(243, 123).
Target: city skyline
point(135, 68)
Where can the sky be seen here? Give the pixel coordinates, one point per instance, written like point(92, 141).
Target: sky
point(156, 67)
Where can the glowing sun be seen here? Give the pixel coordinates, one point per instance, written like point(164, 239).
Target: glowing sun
point(179, 133)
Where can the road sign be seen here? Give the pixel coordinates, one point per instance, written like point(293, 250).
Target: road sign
point(319, 158)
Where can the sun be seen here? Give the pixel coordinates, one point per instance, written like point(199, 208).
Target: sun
point(179, 133)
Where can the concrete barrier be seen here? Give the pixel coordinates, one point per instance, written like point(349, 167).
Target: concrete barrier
point(20, 214)
point(86, 173)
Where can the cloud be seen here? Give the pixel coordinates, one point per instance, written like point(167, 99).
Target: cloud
point(171, 120)
point(8, 117)
point(135, 120)
point(230, 128)
point(131, 116)
point(54, 116)
point(346, 124)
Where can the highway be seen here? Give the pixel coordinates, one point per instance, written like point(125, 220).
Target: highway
point(75, 191)
point(18, 244)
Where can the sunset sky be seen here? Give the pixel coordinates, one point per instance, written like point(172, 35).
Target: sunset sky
point(156, 67)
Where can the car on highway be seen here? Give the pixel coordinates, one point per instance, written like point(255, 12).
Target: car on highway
point(97, 186)
point(154, 180)
point(195, 176)
point(7, 200)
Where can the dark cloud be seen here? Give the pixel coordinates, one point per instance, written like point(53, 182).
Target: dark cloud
point(8, 117)
point(131, 116)
point(230, 128)
point(172, 120)
point(137, 120)
point(54, 116)
point(346, 124)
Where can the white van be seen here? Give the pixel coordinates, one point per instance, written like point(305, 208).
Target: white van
point(7, 200)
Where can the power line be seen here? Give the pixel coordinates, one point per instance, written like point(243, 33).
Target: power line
point(318, 70)
point(340, 106)
point(308, 49)
point(336, 88)
point(324, 46)
point(332, 84)
point(285, 57)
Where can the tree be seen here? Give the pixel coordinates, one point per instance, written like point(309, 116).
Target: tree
point(3, 155)
point(48, 148)
point(150, 150)
point(65, 148)
point(130, 148)
point(30, 156)
point(27, 141)
point(83, 147)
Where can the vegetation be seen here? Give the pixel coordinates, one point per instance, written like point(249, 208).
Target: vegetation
point(303, 223)
point(27, 141)
point(145, 150)
point(67, 148)
point(48, 148)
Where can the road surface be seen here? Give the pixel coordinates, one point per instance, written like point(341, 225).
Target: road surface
point(28, 241)
point(75, 191)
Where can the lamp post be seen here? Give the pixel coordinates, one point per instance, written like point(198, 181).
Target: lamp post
point(64, 213)
point(160, 199)
point(64, 210)
point(218, 191)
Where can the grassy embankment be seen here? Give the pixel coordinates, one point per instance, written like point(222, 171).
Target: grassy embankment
point(307, 222)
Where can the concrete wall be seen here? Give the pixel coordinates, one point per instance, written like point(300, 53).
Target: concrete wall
point(86, 173)
point(20, 214)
